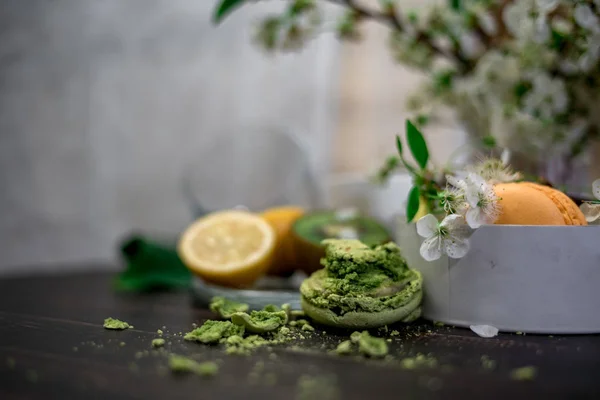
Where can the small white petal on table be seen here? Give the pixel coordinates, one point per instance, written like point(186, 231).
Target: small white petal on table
point(427, 226)
point(485, 331)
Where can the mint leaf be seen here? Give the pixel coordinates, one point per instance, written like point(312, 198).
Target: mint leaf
point(225, 8)
point(455, 5)
point(412, 206)
point(417, 144)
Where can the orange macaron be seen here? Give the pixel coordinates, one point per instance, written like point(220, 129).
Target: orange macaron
point(528, 203)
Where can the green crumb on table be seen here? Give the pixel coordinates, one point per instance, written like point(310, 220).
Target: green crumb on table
point(355, 337)
point(122, 344)
point(344, 348)
point(11, 363)
point(284, 330)
point(527, 373)
point(226, 308)
point(111, 323)
point(519, 333)
point(420, 361)
point(308, 328)
point(181, 364)
point(159, 342)
point(244, 346)
point(395, 333)
point(213, 331)
point(438, 323)
point(32, 376)
point(159, 332)
point(260, 321)
point(370, 345)
point(317, 387)
point(487, 363)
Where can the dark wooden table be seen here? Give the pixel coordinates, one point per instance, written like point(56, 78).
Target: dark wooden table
point(53, 346)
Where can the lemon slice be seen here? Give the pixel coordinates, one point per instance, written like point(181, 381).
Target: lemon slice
point(230, 248)
point(282, 219)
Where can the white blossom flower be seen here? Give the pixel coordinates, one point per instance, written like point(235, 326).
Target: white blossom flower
point(589, 59)
point(494, 170)
point(449, 237)
point(453, 200)
point(517, 19)
point(548, 96)
point(482, 200)
point(546, 6)
point(591, 210)
point(586, 18)
point(488, 23)
point(542, 29)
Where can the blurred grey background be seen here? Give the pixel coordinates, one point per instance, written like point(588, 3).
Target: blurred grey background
point(102, 101)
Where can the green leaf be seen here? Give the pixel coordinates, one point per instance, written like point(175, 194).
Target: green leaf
point(225, 8)
point(399, 145)
point(455, 5)
point(489, 142)
point(412, 206)
point(417, 144)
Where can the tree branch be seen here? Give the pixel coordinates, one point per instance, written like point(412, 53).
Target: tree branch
point(392, 19)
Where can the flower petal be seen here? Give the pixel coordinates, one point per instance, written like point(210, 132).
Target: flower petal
point(431, 249)
point(591, 211)
point(456, 248)
point(475, 185)
point(456, 181)
point(485, 331)
point(457, 227)
point(596, 188)
point(427, 226)
point(474, 217)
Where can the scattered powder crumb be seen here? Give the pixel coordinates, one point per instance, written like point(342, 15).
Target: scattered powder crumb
point(371, 346)
point(307, 328)
point(32, 376)
point(317, 387)
point(270, 379)
point(487, 363)
point(159, 342)
point(438, 323)
point(181, 364)
point(122, 344)
point(213, 331)
point(159, 332)
point(419, 361)
point(389, 340)
point(111, 323)
point(395, 333)
point(527, 373)
point(344, 348)
point(519, 333)
point(194, 325)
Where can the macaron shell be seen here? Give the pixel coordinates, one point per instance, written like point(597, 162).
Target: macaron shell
point(526, 205)
point(571, 213)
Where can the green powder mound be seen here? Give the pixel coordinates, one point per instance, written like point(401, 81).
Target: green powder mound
point(372, 346)
point(527, 373)
point(181, 364)
point(260, 321)
point(213, 331)
point(111, 323)
point(159, 342)
point(226, 308)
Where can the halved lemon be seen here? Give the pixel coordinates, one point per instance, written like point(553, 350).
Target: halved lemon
point(229, 248)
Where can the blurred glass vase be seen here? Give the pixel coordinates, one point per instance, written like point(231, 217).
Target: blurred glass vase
point(259, 168)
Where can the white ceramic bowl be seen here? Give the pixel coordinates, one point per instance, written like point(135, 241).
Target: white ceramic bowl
point(535, 279)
